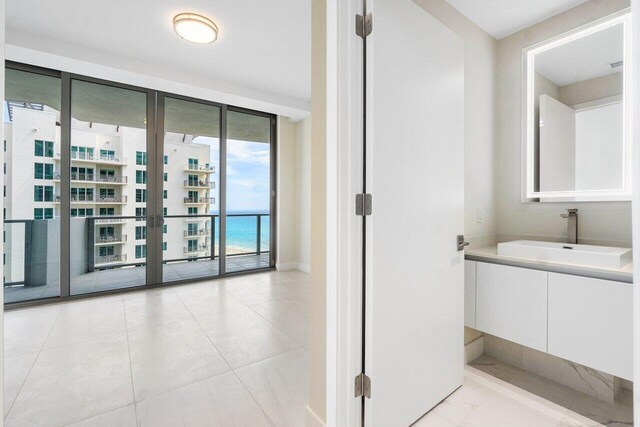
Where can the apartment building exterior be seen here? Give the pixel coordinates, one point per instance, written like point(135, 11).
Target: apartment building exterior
point(108, 182)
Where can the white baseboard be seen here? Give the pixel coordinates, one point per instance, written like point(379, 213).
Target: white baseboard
point(287, 266)
point(473, 350)
point(312, 419)
point(304, 267)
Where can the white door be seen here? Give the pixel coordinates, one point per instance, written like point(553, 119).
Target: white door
point(415, 173)
point(557, 145)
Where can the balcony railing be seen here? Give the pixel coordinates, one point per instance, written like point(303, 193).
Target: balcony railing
point(112, 199)
point(99, 220)
point(89, 177)
point(79, 198)
point(25, 235)
point(200, 200)
point(199, 183)
point(110, 259)
point(111, 238)
point(199, 168)
point(195, 249)
point(111, 179)
point(196, 233)
point(99, 158)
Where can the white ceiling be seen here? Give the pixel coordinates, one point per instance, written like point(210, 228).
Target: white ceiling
point(583, 59)
point(263, 45)
point(501, 18)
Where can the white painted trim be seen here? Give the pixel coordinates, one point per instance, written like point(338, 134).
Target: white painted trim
point(49, 53)
point(343, 231)
point(473, 350)
point(312, 419)
point(306, 268)
point(635, 25)
point(286, 266)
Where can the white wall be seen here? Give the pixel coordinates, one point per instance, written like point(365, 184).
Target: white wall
point(303, 194)
point(603, 222)
point(479, 124)
point(294, 193)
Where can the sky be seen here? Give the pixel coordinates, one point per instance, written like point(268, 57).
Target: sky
point(248, 174)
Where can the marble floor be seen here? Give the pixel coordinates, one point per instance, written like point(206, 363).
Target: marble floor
point(487, 401)
point(129, 277)
point(595, 411)
point(228, 352)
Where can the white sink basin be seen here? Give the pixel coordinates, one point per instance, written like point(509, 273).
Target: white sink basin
point(587, 255)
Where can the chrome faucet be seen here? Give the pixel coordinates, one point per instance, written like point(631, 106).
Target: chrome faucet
point(572, 225)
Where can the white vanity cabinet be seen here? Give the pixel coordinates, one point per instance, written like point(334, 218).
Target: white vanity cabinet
point(470, 293)
point(511, 303)
point(591, 323)
point(584, 320)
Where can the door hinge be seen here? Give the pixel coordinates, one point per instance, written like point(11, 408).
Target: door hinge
point(364, 25)
point(364, 204)
point(363, 386)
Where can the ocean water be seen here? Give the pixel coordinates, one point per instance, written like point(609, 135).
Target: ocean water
point(242, 232)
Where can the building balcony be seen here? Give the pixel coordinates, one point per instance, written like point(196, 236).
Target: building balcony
point(94, 158)
point(197, 233)
point(190, 183)
point(102, 221)
point(110, 259)
point(196, 249)
point(111, 239)
point(85, 198)
point(199, 169)
point(199, 200)
point(111, 199)
point(111, 179)
point(93, 199)
point(88, 177)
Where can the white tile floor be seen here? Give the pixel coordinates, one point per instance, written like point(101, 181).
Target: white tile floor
point(229, 352)
point(486, 401)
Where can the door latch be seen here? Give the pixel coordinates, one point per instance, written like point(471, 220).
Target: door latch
point(461, 243)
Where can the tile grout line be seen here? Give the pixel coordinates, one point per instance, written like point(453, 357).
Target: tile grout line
point(276, 327)
point(133, 388)
point(225, 361)
point(34, 364)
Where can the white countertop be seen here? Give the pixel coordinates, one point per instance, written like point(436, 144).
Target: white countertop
point(490, 254)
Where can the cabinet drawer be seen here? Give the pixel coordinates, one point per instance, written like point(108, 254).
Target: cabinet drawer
point(511, 303)
point(591, 323)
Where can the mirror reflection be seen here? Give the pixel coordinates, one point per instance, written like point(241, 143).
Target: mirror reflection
point(578, 106)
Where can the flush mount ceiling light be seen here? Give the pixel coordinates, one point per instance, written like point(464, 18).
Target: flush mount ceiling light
point(195, 28)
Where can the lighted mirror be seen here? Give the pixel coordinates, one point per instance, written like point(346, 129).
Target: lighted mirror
point(577, 133)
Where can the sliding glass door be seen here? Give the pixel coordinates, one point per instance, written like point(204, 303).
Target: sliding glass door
point(110, 186)
point(191, 165)
point(249, 191)
point(31, 214)
point(108, 191)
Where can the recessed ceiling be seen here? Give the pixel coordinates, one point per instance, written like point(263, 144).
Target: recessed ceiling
point(264, 45)
point(501, 18)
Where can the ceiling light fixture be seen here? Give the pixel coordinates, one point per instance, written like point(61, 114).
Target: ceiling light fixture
point(195, 28)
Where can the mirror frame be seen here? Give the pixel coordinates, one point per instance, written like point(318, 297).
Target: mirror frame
point(528, 113)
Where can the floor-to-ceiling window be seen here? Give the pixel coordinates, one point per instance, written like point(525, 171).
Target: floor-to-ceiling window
point(108, 187)
point(129, 187)
point(249, 193)
point(32, 180)
point(191, 166)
